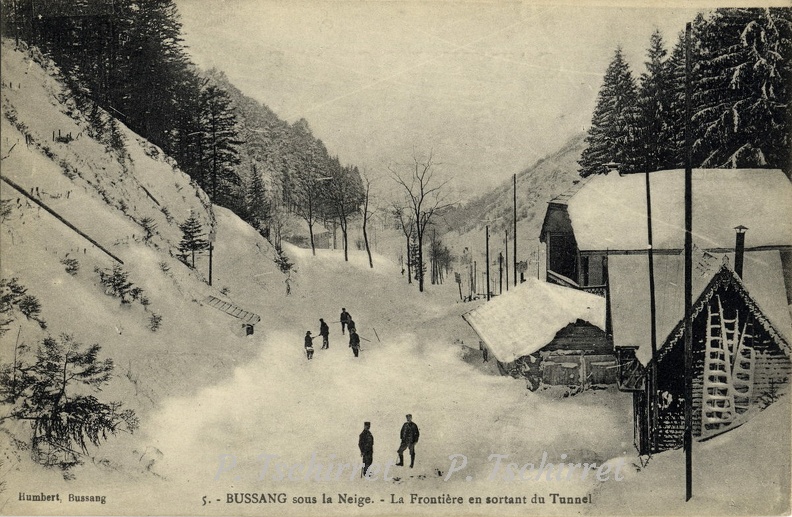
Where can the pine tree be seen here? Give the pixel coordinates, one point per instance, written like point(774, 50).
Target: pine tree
point(743, 110)
point(192, 239)
point(675, 73)
point(652, 129)
point(609, 138)
point(117, 283)
point(13, 295)
point(53, 394)
point(221, 143)
point(257, 204)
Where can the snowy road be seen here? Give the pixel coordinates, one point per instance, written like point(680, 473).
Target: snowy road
point(282, 404)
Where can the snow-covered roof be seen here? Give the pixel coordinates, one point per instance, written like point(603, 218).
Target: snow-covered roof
point(629, 293)
point(528, 317)
point(609, 212)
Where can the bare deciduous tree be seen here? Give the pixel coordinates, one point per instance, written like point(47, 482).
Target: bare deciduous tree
point(407, 224)
point(367, 213)
point(424, 197)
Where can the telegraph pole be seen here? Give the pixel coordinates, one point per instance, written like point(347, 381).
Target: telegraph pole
point(688, 437)
point(652, 384)
point(211, 247)
point(488, 266)
point(506, 245)
point(515, 230)
point(500, 273)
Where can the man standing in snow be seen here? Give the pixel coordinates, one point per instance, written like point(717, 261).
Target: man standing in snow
point(409, 437)
point(366, 446)
point(344, 318)
point(324, 331)
point(354, 341)
point(309, 345)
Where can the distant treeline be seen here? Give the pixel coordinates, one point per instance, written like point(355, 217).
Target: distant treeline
point(128, 58)
point(741, 76)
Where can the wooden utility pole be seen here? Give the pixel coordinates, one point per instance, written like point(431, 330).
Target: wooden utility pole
point(515, 230)
point(500, 273)
point(488, 266)
point(652, 384)
point(211, 248)
point(475, 277)
point(688, 436)
point(506, 246)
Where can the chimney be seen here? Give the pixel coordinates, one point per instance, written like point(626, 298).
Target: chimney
point(739, 250)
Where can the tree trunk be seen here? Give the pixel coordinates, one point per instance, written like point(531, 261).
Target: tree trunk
point(409, 261)
point(420, 262)
point(310, 230)
point(366, 241)
point(344, 238)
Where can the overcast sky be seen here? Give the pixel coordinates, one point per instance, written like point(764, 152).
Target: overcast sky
point(489, 87)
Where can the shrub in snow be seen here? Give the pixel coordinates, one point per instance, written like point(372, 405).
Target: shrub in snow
point(5, 209)
point(30, 306)
point(116, 282)
point(53, 393)
point(155, 320)
point(224, 291)
point(192, 240)
point(13, 295)
point(72, 265)
point(149, 228)
point(282, 260)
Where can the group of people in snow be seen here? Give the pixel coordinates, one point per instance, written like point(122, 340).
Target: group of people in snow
point(409, 437)
point(324, 330)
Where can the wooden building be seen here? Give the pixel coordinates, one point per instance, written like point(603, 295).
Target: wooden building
point(596, 240)
point(740, 366)
point(548, 334)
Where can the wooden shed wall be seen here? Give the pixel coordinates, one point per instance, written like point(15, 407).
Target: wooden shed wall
point(772, 371)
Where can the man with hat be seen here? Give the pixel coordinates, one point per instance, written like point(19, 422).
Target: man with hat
point(344, 319)
point(308, 345)
point(409, 437)
point(366, 446)
point(324, 331)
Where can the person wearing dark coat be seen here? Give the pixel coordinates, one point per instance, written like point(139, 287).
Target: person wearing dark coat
point(409, 437)
point(351, 324)
point(344, 318)
point(354, 342)
point(366, 446)
point(309, 345)
point(324, 331)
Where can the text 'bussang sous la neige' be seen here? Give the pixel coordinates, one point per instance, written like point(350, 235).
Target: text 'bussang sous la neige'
point(360, 501)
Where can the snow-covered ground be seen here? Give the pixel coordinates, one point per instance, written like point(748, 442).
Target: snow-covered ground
point(212, 400)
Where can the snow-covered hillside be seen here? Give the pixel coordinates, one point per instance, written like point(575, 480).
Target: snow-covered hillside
point(536, 186)
point(211, 400)
point(106, 194)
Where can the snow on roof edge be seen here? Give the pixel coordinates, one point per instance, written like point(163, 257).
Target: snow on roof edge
point(527, 318)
